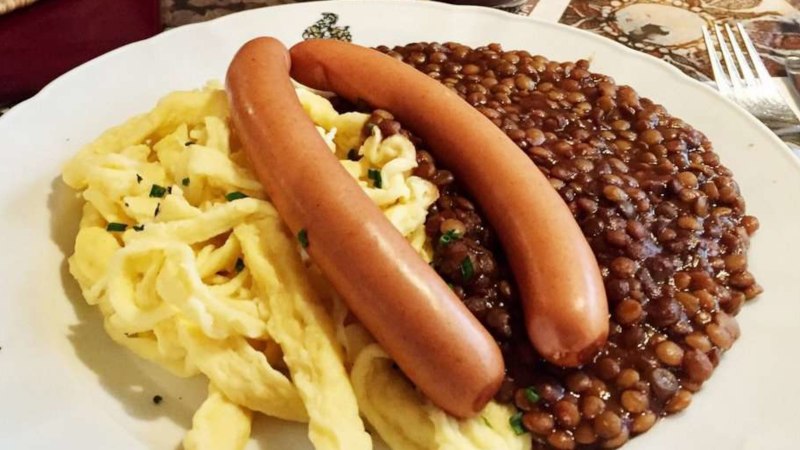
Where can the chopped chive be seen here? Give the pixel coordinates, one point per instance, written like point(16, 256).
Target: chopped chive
point(157, 191)
point(185, 181)
point(188, 143)
point(467, 269)
point(375, 176)
point(138, 228)
point(302, 237)
point(116, 226)
point(532, 395)
point(516, 423)
point(353, 155)
point(169, 190)
point(158, 210)
point(486, 421)
point(239, 265)
point(234, 196)
point(449, 236)
point(139, 178)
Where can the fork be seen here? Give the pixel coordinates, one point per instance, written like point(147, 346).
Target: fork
point(756, 93)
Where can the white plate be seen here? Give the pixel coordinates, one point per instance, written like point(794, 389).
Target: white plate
point(64, 384)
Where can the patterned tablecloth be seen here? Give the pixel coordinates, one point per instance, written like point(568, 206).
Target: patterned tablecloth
point(667, 29)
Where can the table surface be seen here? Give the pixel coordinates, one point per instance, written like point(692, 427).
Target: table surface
point(666, 29)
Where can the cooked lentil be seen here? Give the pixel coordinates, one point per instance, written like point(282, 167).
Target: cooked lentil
point(664, 218)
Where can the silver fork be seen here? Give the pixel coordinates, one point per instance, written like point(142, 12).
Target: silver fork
point(754, 92)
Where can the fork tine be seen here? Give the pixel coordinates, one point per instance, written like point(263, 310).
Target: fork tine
point(733, 73)
point(763, 73)
point(723, 83)
point(744, 66)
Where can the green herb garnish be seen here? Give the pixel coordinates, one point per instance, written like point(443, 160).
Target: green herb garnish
point(185, 181)
point(116, 226)
point(158, 210)
point(516, 423)
point(239, 265)
point(486, 421)
point(234, 196)
point(467, 269)
point(532, 395)
point(157, 191)
point(375, 176)
point(139, 178)
point(449, 236)
point(302, 237)
point(138, 228)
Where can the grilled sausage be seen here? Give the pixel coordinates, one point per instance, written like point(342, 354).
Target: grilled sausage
point(409, 309)
point(562, 292)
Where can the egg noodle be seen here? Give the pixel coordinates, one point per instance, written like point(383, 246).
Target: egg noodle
point(193, 269)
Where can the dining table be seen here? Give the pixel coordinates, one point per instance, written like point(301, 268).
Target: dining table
point(666, 29)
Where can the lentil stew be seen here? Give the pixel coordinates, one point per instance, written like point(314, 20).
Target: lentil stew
point(664, 218)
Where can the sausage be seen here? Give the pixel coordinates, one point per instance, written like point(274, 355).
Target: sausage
point(562, 292)
point(401, 300)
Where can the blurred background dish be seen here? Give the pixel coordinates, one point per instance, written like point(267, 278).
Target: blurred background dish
point(41, 41)
point(10, 5)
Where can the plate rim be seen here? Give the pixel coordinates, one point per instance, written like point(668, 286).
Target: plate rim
point(46, 97)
